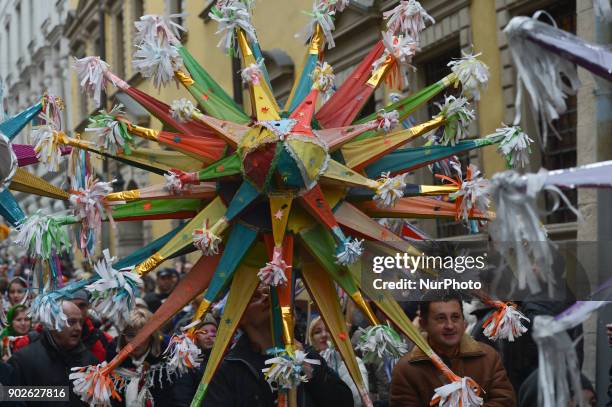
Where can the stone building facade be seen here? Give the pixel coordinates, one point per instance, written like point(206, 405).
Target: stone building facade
point(34, 58)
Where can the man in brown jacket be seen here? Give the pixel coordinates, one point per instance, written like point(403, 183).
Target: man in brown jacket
point(415, 378)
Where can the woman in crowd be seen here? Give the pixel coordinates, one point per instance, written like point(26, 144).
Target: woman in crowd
point(320, 340)
point(146, 381)
point(186, 386)
point(14, 335)
point(17, 290)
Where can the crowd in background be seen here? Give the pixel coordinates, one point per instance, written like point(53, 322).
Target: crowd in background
point(33, 355)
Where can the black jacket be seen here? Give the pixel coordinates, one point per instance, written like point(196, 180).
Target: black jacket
point(185, 386)
point(239, 382)
point(162, 389)
point(42, 363)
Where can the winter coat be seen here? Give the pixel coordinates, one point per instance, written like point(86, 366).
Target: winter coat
point(415, 378)
point(335, 362)
point(239, 382)
point(185, 386)
point(42, 363)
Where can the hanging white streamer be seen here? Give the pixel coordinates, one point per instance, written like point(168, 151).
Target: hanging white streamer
point(603, 10)
point(558, 369)
point(517, 229)
point(541, 72)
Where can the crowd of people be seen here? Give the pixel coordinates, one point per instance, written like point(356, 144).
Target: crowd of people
point(36, 356)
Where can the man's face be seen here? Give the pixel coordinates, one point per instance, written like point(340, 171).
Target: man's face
point(70, 336)
point(445, 324)
point(257, 312)
point(166, 283)
point(83, 306)
point(206, 336)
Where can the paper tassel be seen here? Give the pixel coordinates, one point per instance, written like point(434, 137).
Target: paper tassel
point(232, 15)
point(52, 108)
point(173, 184)
point(473, 195)
point(459, 393)
point(457, 118)
point(348, 251)
point(247, 3)
point(182, 353)
point(323, 79)
point(114, 133)
point(47, 146)
point(89, 206)
point(387, 121)
point(89, 202)
point(517, 222)
point(95, 385)
point(47, 309)
point(514, 145)
point(408, 18)
point(273, 273)
point(287, 371)
point(205, 240)
point(390, 189)
point(153, 27)
point(157, 60)
point(252, 74)
point(322, 15)
point(42, 235)
point(379, 342)
point(471, 73)
point(544, 75)
point(90, 73)
point(334, 6)
point(400, 48)
point(182, 110)
point(504, 322)
point(114, 293)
